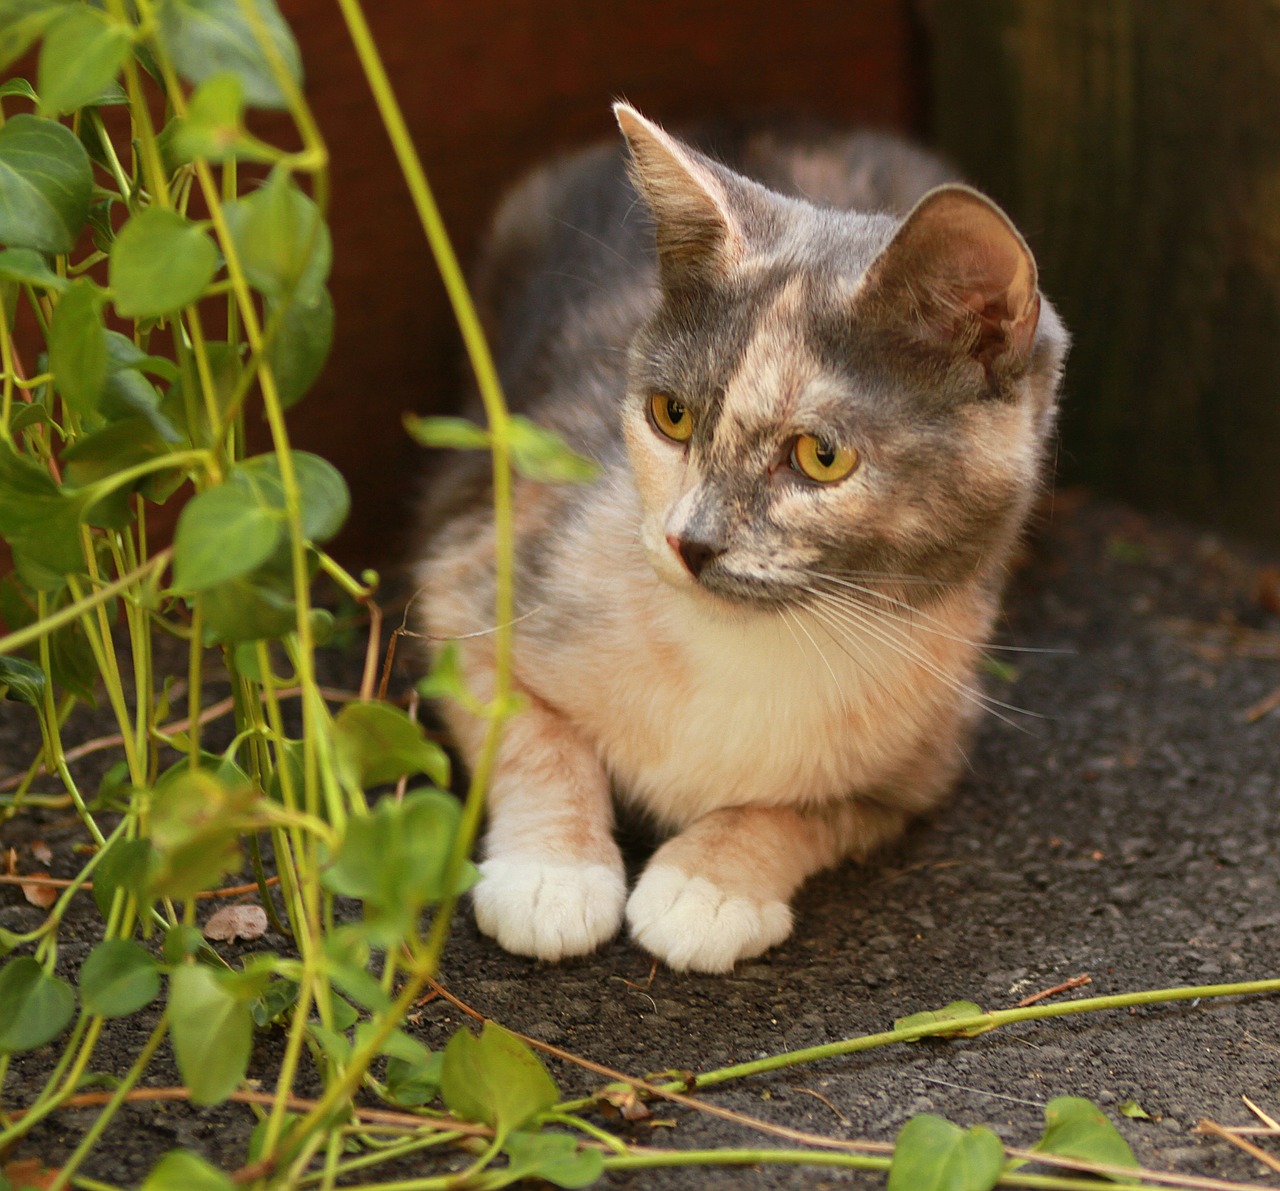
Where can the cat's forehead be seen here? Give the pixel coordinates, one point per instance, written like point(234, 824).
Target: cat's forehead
point(779, 381)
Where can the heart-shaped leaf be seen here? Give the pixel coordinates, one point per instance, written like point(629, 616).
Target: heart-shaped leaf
point(212, 1032)
point(377, 743)
point(160, 262)
point(118, 978)
point(208, 37)
point(181, 1170)
point(25, 264)
point(80, 57)
point(223, 533)
point(34, 1006)
point(553, 1157)
point(932, 1154)
point(46, 184)
point(281, 239)
point(300, 348)
point(1076, 1128)
point(495, 1079)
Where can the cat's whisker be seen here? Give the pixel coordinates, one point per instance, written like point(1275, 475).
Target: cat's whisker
point(841, 638)
point(917, 615)
point(860, 620)
point(790, 616)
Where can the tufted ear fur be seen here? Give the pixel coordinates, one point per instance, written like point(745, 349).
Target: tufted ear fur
point(697, 231)
point(957, 275)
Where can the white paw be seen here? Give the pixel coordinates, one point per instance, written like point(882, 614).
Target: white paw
point(691, 924)
point(547, 909)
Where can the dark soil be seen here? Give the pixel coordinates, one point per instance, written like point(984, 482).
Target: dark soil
point(1132, 833)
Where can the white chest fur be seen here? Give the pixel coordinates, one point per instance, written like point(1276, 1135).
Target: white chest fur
point(691, 708)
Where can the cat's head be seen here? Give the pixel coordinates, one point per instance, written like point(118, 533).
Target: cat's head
point(823, 394)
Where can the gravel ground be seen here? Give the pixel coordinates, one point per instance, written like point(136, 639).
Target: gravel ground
point(1130, 831)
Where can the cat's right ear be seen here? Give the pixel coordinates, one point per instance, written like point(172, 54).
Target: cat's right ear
point(697, 233)
point(959, 276)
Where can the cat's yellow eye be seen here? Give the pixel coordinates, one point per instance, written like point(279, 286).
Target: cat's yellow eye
point(820, 460)
point(671, 417)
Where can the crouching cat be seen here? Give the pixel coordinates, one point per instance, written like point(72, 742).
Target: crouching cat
point(819, 401)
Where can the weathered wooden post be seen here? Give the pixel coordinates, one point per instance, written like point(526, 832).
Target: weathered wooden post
point(1138, 144)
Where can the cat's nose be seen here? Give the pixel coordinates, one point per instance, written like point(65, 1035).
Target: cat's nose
point(694, 554)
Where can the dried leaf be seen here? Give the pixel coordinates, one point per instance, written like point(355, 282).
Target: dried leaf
point(236, 922)
point(42, 852)
point(30, 1172)
point(38, 893)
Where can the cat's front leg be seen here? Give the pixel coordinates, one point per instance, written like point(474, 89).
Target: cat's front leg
point(720, 891)
point(552, 883)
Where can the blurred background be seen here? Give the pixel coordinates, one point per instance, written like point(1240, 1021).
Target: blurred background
point(1135, 142)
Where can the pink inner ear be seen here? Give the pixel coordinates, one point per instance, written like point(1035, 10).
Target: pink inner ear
point(965, 275)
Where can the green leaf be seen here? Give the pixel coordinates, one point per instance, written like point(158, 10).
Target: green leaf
point(1075, 1128)
point(360, 986)
point(78, 346)
point(445, 679)
point(1133, 1110)
point(40, 522)
point(495, 1079)
point(541, 454)
point(213, 127)
point(99, 456)
point(956, 1011)
point(22, 681)
point(208, 37)
point(180, 942)
point(397, 1044)
point(127, 864)
point(223, 533)
point(932, 1154)
point(554, 1157)
point(118, 978)
point(18, 87)
point(159, 263)
point(181, 1170)
point(46, 184)
point(34, 1006)
point(300, 348)
point(195, 827)
point(276, 998)
point(449, 433)
point(281, 239)
point(21, 22)
point(413, 1084)
point(394, 860)
point(248, 609)
point(322, 490)
point(212, 1033)
point(80, 57)
point(376, 743)
point(27, 265)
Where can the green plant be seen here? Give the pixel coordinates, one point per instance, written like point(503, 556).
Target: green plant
point(163, 285)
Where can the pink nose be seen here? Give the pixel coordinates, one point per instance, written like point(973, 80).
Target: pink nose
point(694, 554)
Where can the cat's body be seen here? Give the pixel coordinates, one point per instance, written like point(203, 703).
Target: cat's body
point(818, 434)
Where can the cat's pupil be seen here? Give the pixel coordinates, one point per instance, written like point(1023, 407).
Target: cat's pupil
point(825, 455)
point(675, 411)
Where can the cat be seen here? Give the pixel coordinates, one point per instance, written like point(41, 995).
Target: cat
point(819, 400)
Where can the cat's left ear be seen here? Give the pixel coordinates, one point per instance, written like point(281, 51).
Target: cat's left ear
point(698, 234)
point(959, 276)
